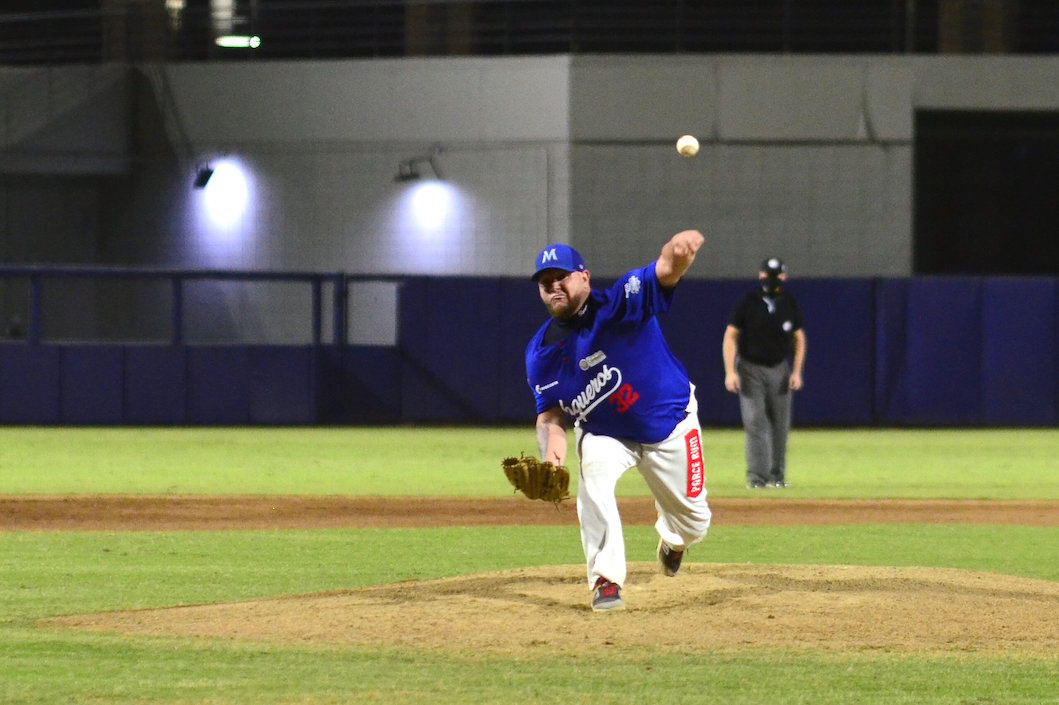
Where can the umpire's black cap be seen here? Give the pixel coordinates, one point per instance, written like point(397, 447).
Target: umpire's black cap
point(773, 265)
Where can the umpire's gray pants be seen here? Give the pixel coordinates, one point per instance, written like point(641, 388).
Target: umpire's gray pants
point(765, 403)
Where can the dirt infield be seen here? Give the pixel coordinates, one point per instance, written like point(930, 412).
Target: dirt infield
point(166, 513)
point(709, 606)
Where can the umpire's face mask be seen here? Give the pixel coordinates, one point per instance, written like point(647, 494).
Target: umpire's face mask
point(771, 283)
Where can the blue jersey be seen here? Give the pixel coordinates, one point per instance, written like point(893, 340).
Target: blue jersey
point(616, 376)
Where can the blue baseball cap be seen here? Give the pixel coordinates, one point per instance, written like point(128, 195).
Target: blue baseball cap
point(559, 256)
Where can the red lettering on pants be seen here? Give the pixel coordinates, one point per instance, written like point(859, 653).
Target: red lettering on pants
point(696, 465)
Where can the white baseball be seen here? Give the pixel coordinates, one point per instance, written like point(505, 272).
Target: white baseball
point(688, 146)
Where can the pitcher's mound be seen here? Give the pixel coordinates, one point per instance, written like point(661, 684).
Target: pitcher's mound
point(707, 606)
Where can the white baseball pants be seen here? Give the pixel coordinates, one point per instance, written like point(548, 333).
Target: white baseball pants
point(674, 470)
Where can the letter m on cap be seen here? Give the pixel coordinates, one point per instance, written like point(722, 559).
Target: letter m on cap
point(549, 256)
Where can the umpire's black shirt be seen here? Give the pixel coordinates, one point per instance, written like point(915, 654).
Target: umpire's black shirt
point(766, 324)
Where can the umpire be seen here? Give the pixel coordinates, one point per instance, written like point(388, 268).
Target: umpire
point(764, 333)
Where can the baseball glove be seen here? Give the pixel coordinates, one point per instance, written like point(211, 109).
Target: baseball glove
point(538, 479)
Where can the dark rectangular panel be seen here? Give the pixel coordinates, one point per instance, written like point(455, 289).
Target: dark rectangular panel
point(92, 379)
point(371, 385)
point(1019, 351)
point(944, 351)
point(218, 385)
point(282, 385)
point(985, 192)
point(449, 333)
point(839, 324)
point(29, 384)
point(155, 385)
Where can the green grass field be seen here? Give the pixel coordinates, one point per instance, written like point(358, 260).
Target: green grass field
point(981, 464)
point(46, 574)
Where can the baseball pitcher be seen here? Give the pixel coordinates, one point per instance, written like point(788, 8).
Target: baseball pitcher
point(602, 363)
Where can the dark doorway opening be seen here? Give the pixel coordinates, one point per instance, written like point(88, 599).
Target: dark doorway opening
point(986, 193)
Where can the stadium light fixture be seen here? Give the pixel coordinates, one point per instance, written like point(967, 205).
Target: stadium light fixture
point(408, 170)
point(202, 176)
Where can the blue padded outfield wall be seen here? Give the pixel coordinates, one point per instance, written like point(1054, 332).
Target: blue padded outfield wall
point(930, 351)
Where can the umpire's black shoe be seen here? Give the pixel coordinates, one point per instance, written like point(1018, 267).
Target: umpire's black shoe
point(755, 485)
point(607, 596)
point(669, 558)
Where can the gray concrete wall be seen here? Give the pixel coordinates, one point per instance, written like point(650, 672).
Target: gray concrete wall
point(324, 141)
point(807, 157)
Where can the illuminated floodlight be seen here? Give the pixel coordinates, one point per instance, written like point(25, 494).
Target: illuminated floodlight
point(430, 205)
point(226, 194)
point(427, 224)
point(238, 41)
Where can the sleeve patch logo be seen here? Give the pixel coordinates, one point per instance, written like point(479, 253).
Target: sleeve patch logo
point(632, 286)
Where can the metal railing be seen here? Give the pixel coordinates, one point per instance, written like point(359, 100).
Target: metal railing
point(329, 29)
point(38, 278)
